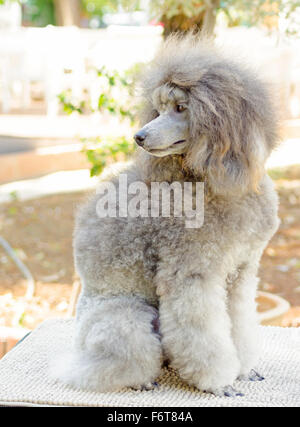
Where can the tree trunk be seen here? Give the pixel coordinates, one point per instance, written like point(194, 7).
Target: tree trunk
point(204, 21)
point(67, 12)
point(181, 23)
point(210, 16)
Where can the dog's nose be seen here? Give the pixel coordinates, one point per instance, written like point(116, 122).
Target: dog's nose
point(140, 137)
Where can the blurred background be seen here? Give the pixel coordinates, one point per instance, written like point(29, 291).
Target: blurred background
point(68, 108)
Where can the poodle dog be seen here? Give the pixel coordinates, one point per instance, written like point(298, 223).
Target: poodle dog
point(154, 289)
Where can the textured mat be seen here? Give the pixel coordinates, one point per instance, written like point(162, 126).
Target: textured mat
point(24, 376)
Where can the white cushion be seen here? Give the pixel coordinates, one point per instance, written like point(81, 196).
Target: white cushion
point(24, 378)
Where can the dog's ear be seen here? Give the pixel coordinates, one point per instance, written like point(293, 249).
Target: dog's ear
point(230, 166)
point(237, 168)
point(233, 130)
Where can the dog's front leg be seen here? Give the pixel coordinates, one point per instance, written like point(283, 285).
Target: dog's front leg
point(242, 310)
point(196, 333)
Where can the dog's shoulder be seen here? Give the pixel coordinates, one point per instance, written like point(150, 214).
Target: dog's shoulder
point(260, 209)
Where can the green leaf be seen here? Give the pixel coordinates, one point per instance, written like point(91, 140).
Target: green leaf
point(111, 80)
point(96, 170)
point(102, 101)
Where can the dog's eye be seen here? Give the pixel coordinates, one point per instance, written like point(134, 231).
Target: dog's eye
point(180, 108)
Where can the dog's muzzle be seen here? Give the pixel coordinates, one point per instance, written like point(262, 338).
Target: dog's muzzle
point(140, 137)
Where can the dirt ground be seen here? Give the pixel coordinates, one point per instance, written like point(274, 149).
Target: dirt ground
point(40, 231)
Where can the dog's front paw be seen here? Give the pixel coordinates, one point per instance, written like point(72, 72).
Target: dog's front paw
point(146, 387)
point(252, 376)
point(227, 391)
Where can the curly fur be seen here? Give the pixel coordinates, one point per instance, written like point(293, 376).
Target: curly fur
point(201, 283)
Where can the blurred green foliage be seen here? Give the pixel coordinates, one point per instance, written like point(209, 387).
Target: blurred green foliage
point(39, 12)
point(177, 14)
point(115, 93)
point(100, 7)
point(184, 13)
point(36, 12)
point(112, 82)
point(109, 149)
point(239, 12)
point(42, 12)
point(255, 12)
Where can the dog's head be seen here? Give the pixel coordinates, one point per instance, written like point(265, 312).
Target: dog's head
point(216, 113)
point(168, 133)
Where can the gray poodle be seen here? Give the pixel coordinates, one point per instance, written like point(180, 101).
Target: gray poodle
point(154, 289)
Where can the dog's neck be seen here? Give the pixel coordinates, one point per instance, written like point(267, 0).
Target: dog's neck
point(174, 168)
point(169, 168)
